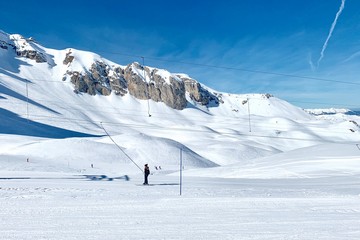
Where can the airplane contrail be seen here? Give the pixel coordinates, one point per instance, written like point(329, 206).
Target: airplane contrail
point(331, 31)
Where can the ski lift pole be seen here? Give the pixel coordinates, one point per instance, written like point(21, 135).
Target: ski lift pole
point(357, 145)
point(248, 102)
point(180, 170)
point(120, 148)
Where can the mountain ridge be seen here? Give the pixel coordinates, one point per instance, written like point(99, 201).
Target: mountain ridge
point(75, 93)
point(100, 76)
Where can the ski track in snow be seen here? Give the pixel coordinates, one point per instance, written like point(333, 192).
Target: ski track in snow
point(77, 208)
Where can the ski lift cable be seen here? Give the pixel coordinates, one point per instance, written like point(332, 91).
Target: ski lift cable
point(120, 147)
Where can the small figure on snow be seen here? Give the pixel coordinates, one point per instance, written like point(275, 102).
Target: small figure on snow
point(146, 174)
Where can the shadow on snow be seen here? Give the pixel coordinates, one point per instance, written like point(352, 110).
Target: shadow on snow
point(12, 123)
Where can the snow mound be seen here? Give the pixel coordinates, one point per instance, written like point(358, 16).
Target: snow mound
point(77, 154)
point(312, 162)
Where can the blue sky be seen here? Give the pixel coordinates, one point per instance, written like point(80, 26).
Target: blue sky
point(235, 46)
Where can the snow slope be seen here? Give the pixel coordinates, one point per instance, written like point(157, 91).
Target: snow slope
point(254, 167)
point(36, 102)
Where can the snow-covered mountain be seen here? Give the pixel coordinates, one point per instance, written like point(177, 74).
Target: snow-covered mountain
point(57, 107)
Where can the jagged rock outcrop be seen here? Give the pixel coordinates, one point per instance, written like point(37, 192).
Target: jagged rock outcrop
point(68, 58)
point(98, 79)
point(102, 78)
point(32, 54)
point(197, 93)
point(117, 82)
point(26, 47)
point(141, 82)
point(147, 83)
point(81, 83)
point(137, 86)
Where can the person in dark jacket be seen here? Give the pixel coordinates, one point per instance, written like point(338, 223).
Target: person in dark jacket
point(146, 174)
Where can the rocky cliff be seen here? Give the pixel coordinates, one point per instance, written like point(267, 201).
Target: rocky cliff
point(101, 77)
point(142, 82)
point(23, 47)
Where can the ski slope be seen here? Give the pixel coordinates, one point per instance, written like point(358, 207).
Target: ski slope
point(255, 167)
point(61, 206)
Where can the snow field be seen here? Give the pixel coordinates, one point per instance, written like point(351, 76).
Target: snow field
point(73, 207)
point(283, 173)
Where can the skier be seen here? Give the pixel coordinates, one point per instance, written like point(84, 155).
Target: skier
point(146, 174)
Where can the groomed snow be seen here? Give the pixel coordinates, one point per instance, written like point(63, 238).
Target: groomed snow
point(60, 206)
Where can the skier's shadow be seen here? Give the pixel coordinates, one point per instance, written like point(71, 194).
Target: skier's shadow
point(105, 178)
point(160, 184)
point(167, 184)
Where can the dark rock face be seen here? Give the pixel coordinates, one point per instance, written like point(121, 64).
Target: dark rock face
point(198, 93)
point(137, 85)
point(118, 82)
point(33, 55)
point(141, 82)
point(173, 94)
point(145, 83)
point(68, 59)
point(97, 80)
point(81, 84)
point(25, 47)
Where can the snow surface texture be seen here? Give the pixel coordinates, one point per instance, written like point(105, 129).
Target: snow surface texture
point(255, 167)
point(59, 206)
